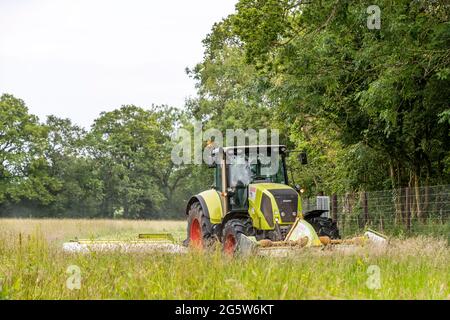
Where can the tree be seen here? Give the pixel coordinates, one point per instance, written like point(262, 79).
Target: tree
point(80, 189)
point(132, 146)
point(23, 167)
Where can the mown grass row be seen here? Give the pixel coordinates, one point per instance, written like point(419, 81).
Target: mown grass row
point(32, 266)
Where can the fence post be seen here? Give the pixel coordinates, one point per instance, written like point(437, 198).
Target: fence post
point(366, 208)
point(344, 213)
point(334, 207)
point(407, 209)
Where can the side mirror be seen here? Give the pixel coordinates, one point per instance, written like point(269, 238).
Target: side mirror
point(211, 160)
point(303, 158)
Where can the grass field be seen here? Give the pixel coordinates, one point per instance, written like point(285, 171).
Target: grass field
point(32, 266)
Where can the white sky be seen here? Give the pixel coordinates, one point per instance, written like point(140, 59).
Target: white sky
point(76, 58)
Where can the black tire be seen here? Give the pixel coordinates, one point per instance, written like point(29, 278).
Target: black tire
point(325, 227)
point(199, 230)
point(232, 232)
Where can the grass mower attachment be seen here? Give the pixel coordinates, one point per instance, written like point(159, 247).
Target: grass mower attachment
point(151, 242)
point(302, 236)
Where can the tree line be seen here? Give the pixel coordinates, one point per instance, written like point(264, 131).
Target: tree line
point(370, 107)
point(120, 168)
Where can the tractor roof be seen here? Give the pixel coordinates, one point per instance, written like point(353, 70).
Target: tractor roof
point(255, 147)
point(227, 150)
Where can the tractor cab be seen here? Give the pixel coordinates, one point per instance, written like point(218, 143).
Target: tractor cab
point(236, 168)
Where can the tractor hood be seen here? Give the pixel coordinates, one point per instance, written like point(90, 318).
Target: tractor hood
point(271, 202)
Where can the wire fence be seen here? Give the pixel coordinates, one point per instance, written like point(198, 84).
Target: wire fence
point(415, 210)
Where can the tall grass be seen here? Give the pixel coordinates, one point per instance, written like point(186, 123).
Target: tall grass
point(32, 266)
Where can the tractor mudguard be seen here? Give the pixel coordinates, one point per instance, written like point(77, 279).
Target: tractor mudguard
point(210, 203)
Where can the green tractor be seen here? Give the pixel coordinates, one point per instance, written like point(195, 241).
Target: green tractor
point(251, 197)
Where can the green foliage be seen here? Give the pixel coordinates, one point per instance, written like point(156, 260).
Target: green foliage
point(370, 106)
point(81, 188)
point(229, 93)
point(120, 168)
point(23, 167)
point(125, 144)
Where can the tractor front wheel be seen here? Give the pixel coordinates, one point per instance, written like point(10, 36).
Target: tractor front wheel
point(232, 232)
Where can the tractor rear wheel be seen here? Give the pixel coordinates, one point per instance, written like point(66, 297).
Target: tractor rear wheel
point(199, 230)
point(232, 232)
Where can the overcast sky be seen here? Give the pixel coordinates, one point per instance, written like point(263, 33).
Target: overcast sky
point(76, 58)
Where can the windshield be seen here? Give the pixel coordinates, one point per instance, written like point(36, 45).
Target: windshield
point(243, 171)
